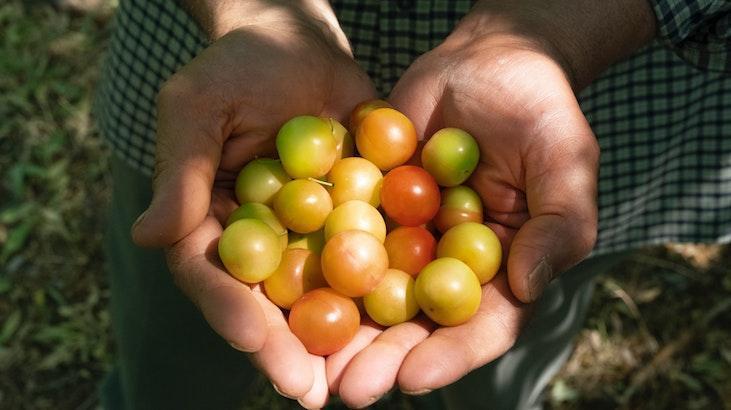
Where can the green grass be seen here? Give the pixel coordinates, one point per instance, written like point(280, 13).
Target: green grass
point(658, 335)
point(54, 331)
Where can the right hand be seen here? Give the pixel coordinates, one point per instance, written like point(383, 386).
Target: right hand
point(214, 115)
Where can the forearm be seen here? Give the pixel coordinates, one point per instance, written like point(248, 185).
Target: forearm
point(218, 17)
point(585, 37)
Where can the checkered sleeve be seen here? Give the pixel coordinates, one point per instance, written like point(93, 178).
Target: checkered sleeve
point(698, 30)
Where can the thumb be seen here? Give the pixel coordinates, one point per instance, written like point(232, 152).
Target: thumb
point(561, 188)
point(187, 155)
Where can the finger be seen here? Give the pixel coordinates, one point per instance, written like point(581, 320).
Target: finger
point(451, 352)
point(283, 359)
point(317, 397)
point(417, 95)
point(189, 140)
point(372, 372)
point(228, 305)
point(561, 189)
point(338, 361)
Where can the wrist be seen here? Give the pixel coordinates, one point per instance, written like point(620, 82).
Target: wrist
point(220, 17)
point(584, 38)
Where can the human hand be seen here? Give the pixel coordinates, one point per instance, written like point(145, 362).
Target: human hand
point(511, 83)
point(217, 113)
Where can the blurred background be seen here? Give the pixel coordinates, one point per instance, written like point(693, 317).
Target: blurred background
point(658, 335)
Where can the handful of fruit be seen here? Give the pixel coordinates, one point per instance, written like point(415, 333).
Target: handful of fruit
point(310, 231)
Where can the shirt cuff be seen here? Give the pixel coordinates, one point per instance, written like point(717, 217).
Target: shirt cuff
point(698, 30)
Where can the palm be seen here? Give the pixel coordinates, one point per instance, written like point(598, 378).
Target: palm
point(215, 115)
point(537, 171)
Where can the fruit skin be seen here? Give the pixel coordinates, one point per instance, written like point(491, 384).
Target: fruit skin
point(364, 108)
point(410, 248)
point(354, 262)
point(313, 241)
point(386, 137)
point(344, 145)
point(450, 155)
point(298, 273)
point(410, 196)
point(459, 204)
point(355, 178)
point(306, 146)
point(393, 301)
point(250, 250)
point(324, 321)
point(474, 244)
point(302, 205)
point(448, 291)
point(253, 210)
point(260, 180)
point(355, 214)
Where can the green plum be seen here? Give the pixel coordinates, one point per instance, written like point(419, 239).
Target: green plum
point(450, 156)
point(260, 180)
point(307, 146)
point(474, 244)
point(448, 291)
point(254, 210)
point(459, 204)
point(303, 205)
point(313, 241)
point(250, 250)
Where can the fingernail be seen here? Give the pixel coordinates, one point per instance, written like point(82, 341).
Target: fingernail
point(370, 401)
point(274, 386)
point(239, 348)
point(304, 405)
point(140, 218)
point(416, 392)
point(538, 279)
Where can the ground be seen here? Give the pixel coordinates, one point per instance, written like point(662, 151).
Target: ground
point(658, 334)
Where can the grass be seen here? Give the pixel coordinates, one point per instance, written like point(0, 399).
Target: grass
point(658, 335)
point(54, 331)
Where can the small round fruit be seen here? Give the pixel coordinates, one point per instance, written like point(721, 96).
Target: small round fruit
point(260, 180)
point(410, 248)
point(253, 210)
point(303, 205)
point(459, 204)
point(355, 214)
point(386, 137)
point(450, 156)
point(363, 109)
point(313, 241)
point(355, 178)
point(324, 321)
point(298, 273)
point(306, 146)
point(448, 291)
point(250, 250)
point(474, 244)
point(345, 147)
point(392, 301)
point(410, 195)
point(354, 262)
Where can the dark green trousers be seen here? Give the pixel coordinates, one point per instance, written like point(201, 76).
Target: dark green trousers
point(168, 357)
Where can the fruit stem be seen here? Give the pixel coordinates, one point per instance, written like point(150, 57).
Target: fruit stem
point(321, 182)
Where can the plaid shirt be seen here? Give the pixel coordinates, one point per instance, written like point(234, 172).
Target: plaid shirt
point(662, 117)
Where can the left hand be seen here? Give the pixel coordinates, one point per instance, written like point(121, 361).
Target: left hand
point(537, 177)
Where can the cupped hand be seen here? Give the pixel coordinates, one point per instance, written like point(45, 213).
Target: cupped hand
point(537, 178)
point(217, 113)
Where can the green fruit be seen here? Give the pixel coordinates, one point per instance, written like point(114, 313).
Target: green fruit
point(450, 156)
point(250, 250)
point(307, 146)
point(260, 180)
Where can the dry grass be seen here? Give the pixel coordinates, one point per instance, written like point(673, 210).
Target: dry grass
point(658, 335)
